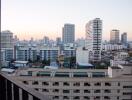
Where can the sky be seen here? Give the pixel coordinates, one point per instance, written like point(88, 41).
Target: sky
point(39, 18)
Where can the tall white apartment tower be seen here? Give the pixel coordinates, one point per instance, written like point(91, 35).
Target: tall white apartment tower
point(68, 33)
point(114, 36)
point(94, 39)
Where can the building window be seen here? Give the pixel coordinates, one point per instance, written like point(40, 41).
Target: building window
point(30, 73)
point(127, 93)
point(107, 84)
point(55, 97)
point(97, 97)
point(97, 91)
point(106, 97)
point(86, 98)
point(66, 91)
point(36, 89)
point(118, 91)
point(45, 90)
point(118, 84)
point(86, 84)
point(118, 98)
point(56, 84)
point(45, 83)
point(107, 91)
point(76, 91)
point(127, 86)
point(76, 84)
point(56, 90)
point(66, 97)
point(43, 73)
point(98, 74)
point(35, 82)
point(25, 82)
point(66, 84)
point(80, 74)
point(62, 74)
point(86, 91)
point(76, 97)
point(97, 84)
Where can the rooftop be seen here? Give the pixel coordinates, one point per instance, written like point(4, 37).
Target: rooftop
point(115, 67)
point(129, 64)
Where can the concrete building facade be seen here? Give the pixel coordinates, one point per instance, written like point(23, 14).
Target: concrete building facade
point(68, 33)
point(115, 36)
point(124, 38)
point(80, 84)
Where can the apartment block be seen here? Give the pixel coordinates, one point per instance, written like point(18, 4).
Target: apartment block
point(114, 83)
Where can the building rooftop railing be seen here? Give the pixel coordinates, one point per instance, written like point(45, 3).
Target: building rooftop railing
point(11, 89)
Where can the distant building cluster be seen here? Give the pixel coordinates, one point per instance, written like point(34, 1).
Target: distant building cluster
point(69, 69)
point(85, 50)
point(115, 37)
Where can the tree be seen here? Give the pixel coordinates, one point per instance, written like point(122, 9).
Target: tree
point(46, 62)
point(72, 61)
point(30, 61)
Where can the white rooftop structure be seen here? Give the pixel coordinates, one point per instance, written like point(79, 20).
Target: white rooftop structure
point(50, 67)
point(7, 70)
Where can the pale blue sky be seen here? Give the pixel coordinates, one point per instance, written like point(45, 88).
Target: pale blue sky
point(36, 18)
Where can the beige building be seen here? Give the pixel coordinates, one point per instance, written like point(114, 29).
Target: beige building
point(114, 83)
point(115, 36)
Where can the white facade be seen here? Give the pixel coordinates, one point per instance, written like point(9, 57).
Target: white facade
point(94, 38)
point(117, 62)
point(110, 47)
point(121, 55)
point(119, 58)
point(80, 42)
point(82, 55)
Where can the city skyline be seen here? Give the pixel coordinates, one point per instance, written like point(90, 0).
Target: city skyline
point(40, 18)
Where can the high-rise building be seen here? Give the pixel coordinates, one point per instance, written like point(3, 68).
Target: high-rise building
point(46, 40)
point(114, 36)
point(94, 39)
point(68, 33)
point(124, 38)
point(58, 41)
point(6, 39)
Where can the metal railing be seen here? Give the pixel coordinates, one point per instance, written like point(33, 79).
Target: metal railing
point(11, 89)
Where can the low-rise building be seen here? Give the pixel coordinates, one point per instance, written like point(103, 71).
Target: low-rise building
point(119, 58)
point(69, 50)
point(82, 55)
point(49, 53)
point(110, 47)
point(80, 84)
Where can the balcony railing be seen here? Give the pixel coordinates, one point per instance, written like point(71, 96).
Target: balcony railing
point(13, 90)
